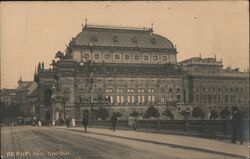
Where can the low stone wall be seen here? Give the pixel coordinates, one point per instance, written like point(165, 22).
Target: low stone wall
point(206, 128)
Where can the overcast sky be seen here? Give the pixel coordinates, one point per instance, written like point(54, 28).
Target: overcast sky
point(33, 32)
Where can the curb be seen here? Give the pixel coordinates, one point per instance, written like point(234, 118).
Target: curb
point(165, 143)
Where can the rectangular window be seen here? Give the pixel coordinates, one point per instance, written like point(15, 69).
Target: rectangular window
point(155, 58)
point(111, 99)
point(214, 98)
point(197, 98)
point(129, 99)
point(162, 99)
point(219, 98)
point(164, 58)
point(117, 57)
point(139, 99)
point(132, 99)
point(149, 98)
point(226, 98)
point(97, 56)
point(86, 56)
point(122, 99)
point(106, 56)
point(136, 57)
point(143, 99)
point(153, 99)
point(126, 57)
point(178, 97)
point(232, 98)
point(118, 99)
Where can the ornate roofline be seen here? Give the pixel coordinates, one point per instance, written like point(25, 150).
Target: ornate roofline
point(122, 28)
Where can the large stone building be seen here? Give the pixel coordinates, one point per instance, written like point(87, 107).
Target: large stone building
point(26, 97)
point(129, 69)
point(213, 87)
point(8, 96)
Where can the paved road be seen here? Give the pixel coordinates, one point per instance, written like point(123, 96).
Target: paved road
point(49, 143)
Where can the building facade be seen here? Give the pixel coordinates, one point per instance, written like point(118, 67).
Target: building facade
point(213, 87)
point(130, 69)
point(8, 96)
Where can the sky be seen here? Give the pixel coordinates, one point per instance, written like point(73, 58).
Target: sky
point(32, 32)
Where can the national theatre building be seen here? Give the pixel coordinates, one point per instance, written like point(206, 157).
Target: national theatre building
point(126, 69)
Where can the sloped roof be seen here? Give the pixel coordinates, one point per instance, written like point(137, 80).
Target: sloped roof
point(30, 86)
point(121, 37)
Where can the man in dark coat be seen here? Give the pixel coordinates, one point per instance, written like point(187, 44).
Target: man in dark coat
point(85, 123)
point(113, 121)
point(237, 125)
point(67, 122)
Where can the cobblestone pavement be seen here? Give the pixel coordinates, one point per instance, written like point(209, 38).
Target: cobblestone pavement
point(26, 142)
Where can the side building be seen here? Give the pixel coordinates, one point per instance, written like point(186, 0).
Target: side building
point(213, 87)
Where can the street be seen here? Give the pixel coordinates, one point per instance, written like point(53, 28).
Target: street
point(50, 143)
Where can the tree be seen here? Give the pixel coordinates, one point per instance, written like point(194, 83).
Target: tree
point(225, 113)
point(214, 114)
point(102, 113)
point(118, 114)
point(2, 112)
point(168, 113)
point(134, 114)
point(85, 113)
point(185, 114)
point(198, 113)
point(10, 112)
point(152, 112)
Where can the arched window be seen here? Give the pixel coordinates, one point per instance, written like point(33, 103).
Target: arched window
point(130, 90)
point(119, 90)
point(109, 90)
point(140, 90)
point(151, 90)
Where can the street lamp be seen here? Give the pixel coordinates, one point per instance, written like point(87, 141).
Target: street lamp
point(91, 72)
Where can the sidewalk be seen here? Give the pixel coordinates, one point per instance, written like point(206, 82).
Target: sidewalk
point(185, 142)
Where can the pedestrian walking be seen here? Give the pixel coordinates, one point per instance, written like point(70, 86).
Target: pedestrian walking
point(134, 125)
point(85, 122)
point(67, 122)
point(114, 121)
point(237, 125)
point(39, 123)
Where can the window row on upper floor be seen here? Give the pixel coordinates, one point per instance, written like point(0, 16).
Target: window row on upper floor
point(218, 98)
point(219, 89)
point(128, 57)
point(141, 90)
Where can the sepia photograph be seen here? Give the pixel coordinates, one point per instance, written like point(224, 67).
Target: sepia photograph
point(124, 80)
